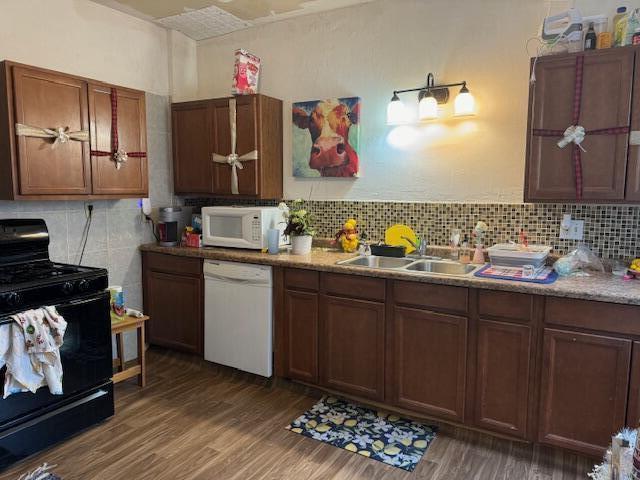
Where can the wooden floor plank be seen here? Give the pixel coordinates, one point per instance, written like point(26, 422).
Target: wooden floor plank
point(198, 421)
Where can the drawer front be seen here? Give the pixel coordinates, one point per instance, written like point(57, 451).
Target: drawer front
point(505, 305)
point(432, 297)
point(353, 286)
point(607, 317)
point(172, 263)
point(299, 279)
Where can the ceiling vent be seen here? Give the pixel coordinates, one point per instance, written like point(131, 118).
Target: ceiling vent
point(205, 23)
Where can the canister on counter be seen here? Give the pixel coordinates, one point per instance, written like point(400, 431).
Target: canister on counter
point(117, 303)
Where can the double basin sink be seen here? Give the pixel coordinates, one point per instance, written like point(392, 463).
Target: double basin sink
point(412, 265)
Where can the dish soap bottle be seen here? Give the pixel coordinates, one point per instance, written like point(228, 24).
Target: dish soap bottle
point(590, 39)
point(620, 21)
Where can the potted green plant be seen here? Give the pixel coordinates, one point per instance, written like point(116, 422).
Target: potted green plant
point(299, 228)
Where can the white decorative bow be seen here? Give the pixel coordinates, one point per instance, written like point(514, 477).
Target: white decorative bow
point(573, 134)
point(233, 158)
point(58, 134)
point(120, 157)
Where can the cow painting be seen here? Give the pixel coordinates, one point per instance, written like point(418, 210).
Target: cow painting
point(325, 138)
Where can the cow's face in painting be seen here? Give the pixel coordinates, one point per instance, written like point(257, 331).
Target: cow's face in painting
point(328, 124)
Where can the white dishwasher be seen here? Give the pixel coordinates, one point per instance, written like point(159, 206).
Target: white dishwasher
point(238, 316)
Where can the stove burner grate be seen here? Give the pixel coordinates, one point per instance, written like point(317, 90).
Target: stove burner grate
point(25, 272)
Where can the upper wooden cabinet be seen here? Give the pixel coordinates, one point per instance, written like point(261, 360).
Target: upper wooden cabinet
point(192, 165)
point(609, 173)
point(633, 167)
point(49, 100)
point(131, 177)
point(39, 168)
point(203, 128)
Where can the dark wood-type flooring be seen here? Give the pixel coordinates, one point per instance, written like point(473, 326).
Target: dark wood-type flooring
point(197, 421)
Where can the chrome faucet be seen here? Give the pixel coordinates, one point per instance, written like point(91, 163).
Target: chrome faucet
point(420, 246)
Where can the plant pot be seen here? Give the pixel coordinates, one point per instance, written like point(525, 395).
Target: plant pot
point(301, 244)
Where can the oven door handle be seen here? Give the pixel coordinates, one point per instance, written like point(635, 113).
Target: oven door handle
point(70, 303)
point(82, 301)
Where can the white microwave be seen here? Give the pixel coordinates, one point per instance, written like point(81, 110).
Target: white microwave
point(241, 227)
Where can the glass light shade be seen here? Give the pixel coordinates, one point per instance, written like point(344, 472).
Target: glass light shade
point(465, 104)
point(428, 108)
point(396, 112)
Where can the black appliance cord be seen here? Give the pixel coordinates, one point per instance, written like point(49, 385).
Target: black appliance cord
point(153, 227)
point(85, 233)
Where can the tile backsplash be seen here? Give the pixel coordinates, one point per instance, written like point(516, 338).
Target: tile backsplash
point(611, 230)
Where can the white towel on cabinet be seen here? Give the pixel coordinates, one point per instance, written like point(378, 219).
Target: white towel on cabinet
point(30, 348)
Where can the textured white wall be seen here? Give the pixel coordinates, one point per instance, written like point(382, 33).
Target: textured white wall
point(372, 49)
point(183, 67)
point(84, 38)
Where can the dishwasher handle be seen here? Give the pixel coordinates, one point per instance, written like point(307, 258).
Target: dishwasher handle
point(239, 281)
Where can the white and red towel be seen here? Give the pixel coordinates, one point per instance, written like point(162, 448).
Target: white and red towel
point(30, 348)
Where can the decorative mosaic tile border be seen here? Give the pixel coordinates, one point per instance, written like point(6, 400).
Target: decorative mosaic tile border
point(612, 231)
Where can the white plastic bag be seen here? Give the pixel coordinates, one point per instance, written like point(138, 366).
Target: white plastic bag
point(578, 261)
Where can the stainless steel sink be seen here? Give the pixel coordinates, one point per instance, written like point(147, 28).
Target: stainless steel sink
point(413, 265)
point(377, 262)
point(443, 268)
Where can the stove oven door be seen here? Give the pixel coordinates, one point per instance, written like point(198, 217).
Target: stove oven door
point(86, 360)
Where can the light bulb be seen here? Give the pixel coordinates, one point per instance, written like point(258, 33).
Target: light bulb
point(465, 104)
point(396, 111)
point(428, 107)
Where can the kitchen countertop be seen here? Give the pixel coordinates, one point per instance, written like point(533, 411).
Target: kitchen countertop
point(598, 287)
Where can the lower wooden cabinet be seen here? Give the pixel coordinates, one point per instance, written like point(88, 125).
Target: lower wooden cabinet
point(525, 366)
point(300, 331)
point(173, 299)
point(583, 398)
point(352, 346)
point(430, 352)
point(633, 408)
point(503, 377)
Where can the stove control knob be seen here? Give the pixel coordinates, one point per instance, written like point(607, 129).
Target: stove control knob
point(13, 299)
point(83, 285)
point(67, 288)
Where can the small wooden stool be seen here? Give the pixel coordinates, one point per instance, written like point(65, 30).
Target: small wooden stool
point(120, 327)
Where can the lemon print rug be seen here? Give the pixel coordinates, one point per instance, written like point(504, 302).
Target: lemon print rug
point(374, 434)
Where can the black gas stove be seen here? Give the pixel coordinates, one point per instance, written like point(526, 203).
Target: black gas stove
point(37, 271)
point(38, 283)
point(29, 279)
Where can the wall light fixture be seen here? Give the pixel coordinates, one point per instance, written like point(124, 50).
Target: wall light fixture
point(430, 96)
